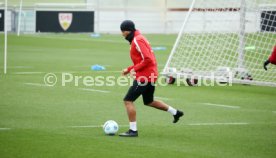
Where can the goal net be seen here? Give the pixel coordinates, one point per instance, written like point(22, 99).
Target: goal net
point(226, 38)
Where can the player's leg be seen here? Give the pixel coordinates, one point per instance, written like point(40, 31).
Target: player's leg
point(159, 105)
point(148, 98)
point(131, 111)
point(163, 106)
point(133, 93)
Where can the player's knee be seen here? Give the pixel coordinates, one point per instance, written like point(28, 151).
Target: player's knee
point(127, 102)
point(149, 103)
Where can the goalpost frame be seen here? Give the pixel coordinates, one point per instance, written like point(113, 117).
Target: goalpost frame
point(19, 18)
point(240, 66)
point(179, 35)
point(241, 47)
point(5, 34)
point(241, 35)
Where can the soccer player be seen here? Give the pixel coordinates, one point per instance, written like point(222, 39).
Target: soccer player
point(271, 59)
point(145, 70)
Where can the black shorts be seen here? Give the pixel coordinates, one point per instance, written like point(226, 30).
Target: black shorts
point(147, 91)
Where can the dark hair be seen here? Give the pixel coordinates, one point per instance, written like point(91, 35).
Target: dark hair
point(127, 25)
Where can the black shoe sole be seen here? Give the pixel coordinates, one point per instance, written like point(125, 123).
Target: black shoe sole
point(176, 120)
point(128, 135)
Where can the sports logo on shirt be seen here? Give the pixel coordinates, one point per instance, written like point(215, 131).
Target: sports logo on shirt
point(65, 20)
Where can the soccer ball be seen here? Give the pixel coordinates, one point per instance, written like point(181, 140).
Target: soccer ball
point(110, 127)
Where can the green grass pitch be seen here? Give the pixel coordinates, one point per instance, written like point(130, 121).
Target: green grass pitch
point(36, 121)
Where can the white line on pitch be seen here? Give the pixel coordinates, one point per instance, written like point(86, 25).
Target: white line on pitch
point(104, 71)
point(94, 126)
point(4, 129)
point(213, 124)
point(27, 73)
point(88, 71)
point(88, 66)
point(19, 67)
point(191, 124)
point(109, 71)
point(79, 39)
point(37, 84)
point(90, 126)
point(94, 90)
point(221, 105)
point(89, 39)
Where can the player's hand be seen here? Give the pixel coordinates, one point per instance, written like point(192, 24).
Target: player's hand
point(265, 64)
point(125, 72)
point(132, 73)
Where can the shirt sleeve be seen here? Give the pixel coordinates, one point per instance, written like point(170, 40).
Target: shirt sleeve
point(146, 54)
point(129, 68)
point(272, 58)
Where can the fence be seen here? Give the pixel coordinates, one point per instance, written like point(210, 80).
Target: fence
point(161, 18)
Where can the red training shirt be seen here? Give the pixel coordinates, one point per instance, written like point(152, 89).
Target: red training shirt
point(272, 58)
point(143, 58)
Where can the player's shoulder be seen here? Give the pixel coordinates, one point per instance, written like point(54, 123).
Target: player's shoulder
point(139, 37)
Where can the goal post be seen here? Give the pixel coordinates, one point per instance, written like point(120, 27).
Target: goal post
point(180, 33)
point(19, 18)
point(5, 36)
point(225, 39)
point(242, 34)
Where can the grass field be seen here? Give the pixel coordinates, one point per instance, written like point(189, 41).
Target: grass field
point(39, 121)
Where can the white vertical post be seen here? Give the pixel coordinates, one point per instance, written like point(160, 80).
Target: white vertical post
point(241, 35)
point(5, 32)
point(98, 16)
point(19, 18)
point(179, 35)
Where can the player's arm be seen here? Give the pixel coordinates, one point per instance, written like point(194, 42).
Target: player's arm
point(266, 63)
point(127, 70)
point(271, 59)
point(146, 54)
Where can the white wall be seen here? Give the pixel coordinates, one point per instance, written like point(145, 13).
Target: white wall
point(154, 16)
point(158, 22)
